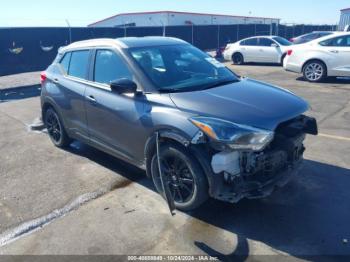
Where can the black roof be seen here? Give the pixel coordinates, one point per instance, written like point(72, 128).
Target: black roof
point(131, 42)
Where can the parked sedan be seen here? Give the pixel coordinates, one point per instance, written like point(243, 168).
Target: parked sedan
point(321, 58)
point(166, 107)
point(260, 49)
point(309, 37)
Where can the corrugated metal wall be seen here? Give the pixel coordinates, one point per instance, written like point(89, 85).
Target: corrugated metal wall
point(344, 20)
point(33, 49)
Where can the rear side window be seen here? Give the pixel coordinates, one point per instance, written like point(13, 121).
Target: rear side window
point(65, 62)
point(250, 42)
point(79, 63)
point(109, 66)
point(343, 41)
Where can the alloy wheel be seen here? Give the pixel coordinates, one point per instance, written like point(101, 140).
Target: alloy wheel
point(178, 177)
point(53, 126)
point(314, 71)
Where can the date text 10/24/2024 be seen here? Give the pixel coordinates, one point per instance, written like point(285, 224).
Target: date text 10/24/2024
point(172, 258)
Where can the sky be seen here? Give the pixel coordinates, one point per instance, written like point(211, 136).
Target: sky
point(83, 12)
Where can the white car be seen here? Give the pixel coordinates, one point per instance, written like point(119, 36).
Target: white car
point(324, 57)
point(259, 49)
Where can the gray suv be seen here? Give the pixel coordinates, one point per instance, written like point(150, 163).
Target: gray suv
point(159, 103)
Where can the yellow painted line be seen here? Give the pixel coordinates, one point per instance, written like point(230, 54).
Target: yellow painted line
point(335, 137)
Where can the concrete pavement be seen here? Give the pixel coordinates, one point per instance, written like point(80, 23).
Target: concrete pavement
point(310, 216)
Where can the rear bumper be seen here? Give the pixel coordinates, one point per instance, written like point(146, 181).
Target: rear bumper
point(292, 67)
point(227, 55)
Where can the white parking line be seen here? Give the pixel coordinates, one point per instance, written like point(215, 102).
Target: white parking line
point(335, 137)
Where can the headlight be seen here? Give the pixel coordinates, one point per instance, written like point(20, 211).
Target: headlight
point(239, 137)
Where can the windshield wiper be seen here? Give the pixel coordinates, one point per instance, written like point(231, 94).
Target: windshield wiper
point(172, 90)
point(221, 83)
point(199, 87)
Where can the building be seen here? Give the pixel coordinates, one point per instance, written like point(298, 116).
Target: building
point(171, 18)
point(344, 19)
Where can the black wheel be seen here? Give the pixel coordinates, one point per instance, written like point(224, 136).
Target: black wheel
point(315, 71)
point(238, 59)
point(55, 129)
point(183, 175)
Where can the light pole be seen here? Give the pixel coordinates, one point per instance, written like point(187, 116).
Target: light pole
point(125, 33)
point(70, 31)
point(164, 32)
point(163, 25)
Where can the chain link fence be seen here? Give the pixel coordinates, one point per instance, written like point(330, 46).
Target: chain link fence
point(33, 49)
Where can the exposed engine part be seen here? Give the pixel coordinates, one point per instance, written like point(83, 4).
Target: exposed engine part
point(261, 172)
point(228, 162)
point(199, 138)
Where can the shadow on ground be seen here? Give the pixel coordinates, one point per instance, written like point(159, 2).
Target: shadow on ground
point(330, 80)
point(308, 217)
point(18, 93)
point(261, 64)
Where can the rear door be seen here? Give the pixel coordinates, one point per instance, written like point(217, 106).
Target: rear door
point(114, 119)
point(70, 91)
point(249, 50)
point(338, 50)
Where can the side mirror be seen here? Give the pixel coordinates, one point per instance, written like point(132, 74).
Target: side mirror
point(274, 45)
point(123, 86)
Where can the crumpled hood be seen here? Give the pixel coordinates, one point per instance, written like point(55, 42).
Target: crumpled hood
point(246, 102)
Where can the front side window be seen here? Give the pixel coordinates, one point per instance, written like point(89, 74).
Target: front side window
point(265, 42)
point(177, 68)
point(79, 64)
point(65, 62)
point(109, 67)
point(343, 41)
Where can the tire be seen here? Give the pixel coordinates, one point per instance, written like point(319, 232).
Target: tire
point(315, 71)
point(282, 59)
point(187, 182)
point(238, 59)
point(55, 129)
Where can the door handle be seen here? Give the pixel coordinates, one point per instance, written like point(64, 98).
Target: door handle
point(91, 99)
point(56, 81)
point(334, 51)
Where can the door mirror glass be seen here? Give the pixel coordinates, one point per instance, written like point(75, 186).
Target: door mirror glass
point(123, 86)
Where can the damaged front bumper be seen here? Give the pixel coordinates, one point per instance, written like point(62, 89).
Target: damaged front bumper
point(240, 189)
point(236, 175)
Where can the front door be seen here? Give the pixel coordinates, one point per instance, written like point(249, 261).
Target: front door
point(113, 119)
point(269, 51)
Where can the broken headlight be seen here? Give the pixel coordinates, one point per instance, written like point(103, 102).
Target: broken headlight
point(238, 137)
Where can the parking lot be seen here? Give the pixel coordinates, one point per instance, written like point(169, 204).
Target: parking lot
point(82, 201)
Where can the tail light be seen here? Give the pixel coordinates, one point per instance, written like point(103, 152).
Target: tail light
point(43, 77)
point(289, 52)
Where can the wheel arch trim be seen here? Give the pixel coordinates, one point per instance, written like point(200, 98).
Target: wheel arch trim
point(314, 59)
point(49, 102)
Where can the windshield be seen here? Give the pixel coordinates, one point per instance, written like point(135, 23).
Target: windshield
point(282, 41)
point(181, 68)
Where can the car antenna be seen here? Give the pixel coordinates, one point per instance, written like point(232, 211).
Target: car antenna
point(163, 181)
